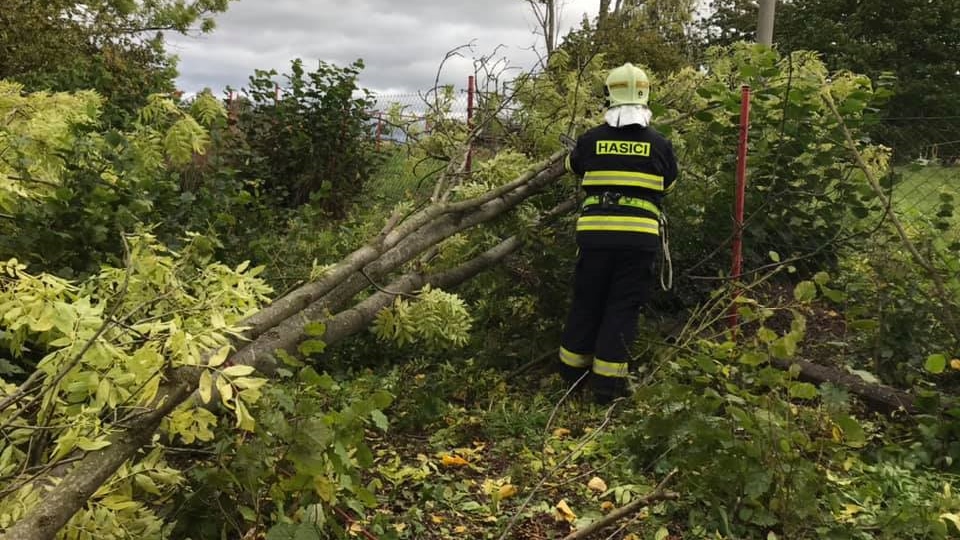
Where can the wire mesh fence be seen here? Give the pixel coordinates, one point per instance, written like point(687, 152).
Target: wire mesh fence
point(398, 116)
point(925, 161)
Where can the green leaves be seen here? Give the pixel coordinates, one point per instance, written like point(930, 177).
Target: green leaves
point(805, 291)
point(935, 363)
point(851, 431)
point(803, 391)
point(437, 319)
point(314, 143)
point(107, 344)
point(289, 531)
point(37, 132)
point(184, 139)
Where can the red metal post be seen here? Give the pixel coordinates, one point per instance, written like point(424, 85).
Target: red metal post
point(471, 90)
point(740, 198)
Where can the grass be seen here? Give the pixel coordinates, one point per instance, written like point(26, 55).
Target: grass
point(925, 196)
point(918, 192)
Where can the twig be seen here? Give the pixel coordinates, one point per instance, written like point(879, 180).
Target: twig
point(557, 467)
point(350, 521)
point(556, 407)
point(526, 367)
point(659, 494)
point(590, 472)
point(391, 223)
point(385, 291)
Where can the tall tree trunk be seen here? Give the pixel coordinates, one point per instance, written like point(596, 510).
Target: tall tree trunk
point(603, 13)
point(550, 28)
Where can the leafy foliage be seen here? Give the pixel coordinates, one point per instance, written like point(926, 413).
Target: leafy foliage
point(307, 458)
point(897, 317)
point(435, 320)
point(910, 39)
point(71, 191)
point(661, 36)
point(37, 129)
point(112, 46)
point(97, 351)
point(763, 451)
point(805, 192)
point(312, 140)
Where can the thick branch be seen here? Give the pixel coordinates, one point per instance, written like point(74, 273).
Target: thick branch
point(878, 396)
point(299, 299)
point(86, 476)
point(287, 334)
point(89, 473)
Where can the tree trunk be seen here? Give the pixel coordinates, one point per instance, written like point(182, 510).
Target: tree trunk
point(546, 13)
point(603, 13)
point(878, 397)
point(280, 325)
point(550, 29)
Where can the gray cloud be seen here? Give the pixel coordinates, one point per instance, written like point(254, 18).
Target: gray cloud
point(401, 42)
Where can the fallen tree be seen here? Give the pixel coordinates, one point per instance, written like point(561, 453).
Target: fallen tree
point(280, 326)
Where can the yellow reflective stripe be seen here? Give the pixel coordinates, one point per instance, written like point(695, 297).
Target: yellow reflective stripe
point(670, 187)
point(626, 201)
point(610, 369)
point(623, 178)
point(618, 223)
point(575, 360)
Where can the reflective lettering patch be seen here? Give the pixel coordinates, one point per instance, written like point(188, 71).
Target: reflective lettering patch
point(623, 148)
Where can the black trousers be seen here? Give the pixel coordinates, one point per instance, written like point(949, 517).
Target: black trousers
point(610, 287)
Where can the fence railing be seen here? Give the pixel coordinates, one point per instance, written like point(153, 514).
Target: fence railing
point(396, 116)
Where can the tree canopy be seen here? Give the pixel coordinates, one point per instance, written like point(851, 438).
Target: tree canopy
point(115, 47)
point(916, 40)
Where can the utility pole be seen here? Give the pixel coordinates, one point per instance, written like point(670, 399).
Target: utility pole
point(765, 25)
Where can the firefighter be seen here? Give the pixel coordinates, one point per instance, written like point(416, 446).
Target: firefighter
point(626, 168)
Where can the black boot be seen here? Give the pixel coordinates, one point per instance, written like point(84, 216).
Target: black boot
point(572, 375)
point(607, 389)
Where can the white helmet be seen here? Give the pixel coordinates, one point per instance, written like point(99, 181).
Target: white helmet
point(628, 85)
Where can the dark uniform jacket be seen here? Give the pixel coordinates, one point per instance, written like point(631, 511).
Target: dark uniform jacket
point(626, 171)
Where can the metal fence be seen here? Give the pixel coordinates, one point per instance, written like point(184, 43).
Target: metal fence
point(396, 117)
point(926, 161)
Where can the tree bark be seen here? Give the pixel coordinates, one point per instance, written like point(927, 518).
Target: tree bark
point(286, 335)
point(603, 13)
point(878, 396)
point(547, 14)
point(302, 297)
point(658, 494)
point(86, 476)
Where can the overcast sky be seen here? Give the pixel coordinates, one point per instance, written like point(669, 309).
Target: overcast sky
point(402, 42)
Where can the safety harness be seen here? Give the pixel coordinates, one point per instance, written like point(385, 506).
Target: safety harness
point(609, 199)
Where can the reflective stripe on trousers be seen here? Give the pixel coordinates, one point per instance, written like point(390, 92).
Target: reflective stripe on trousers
point(574, 360)
point(610, 369)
